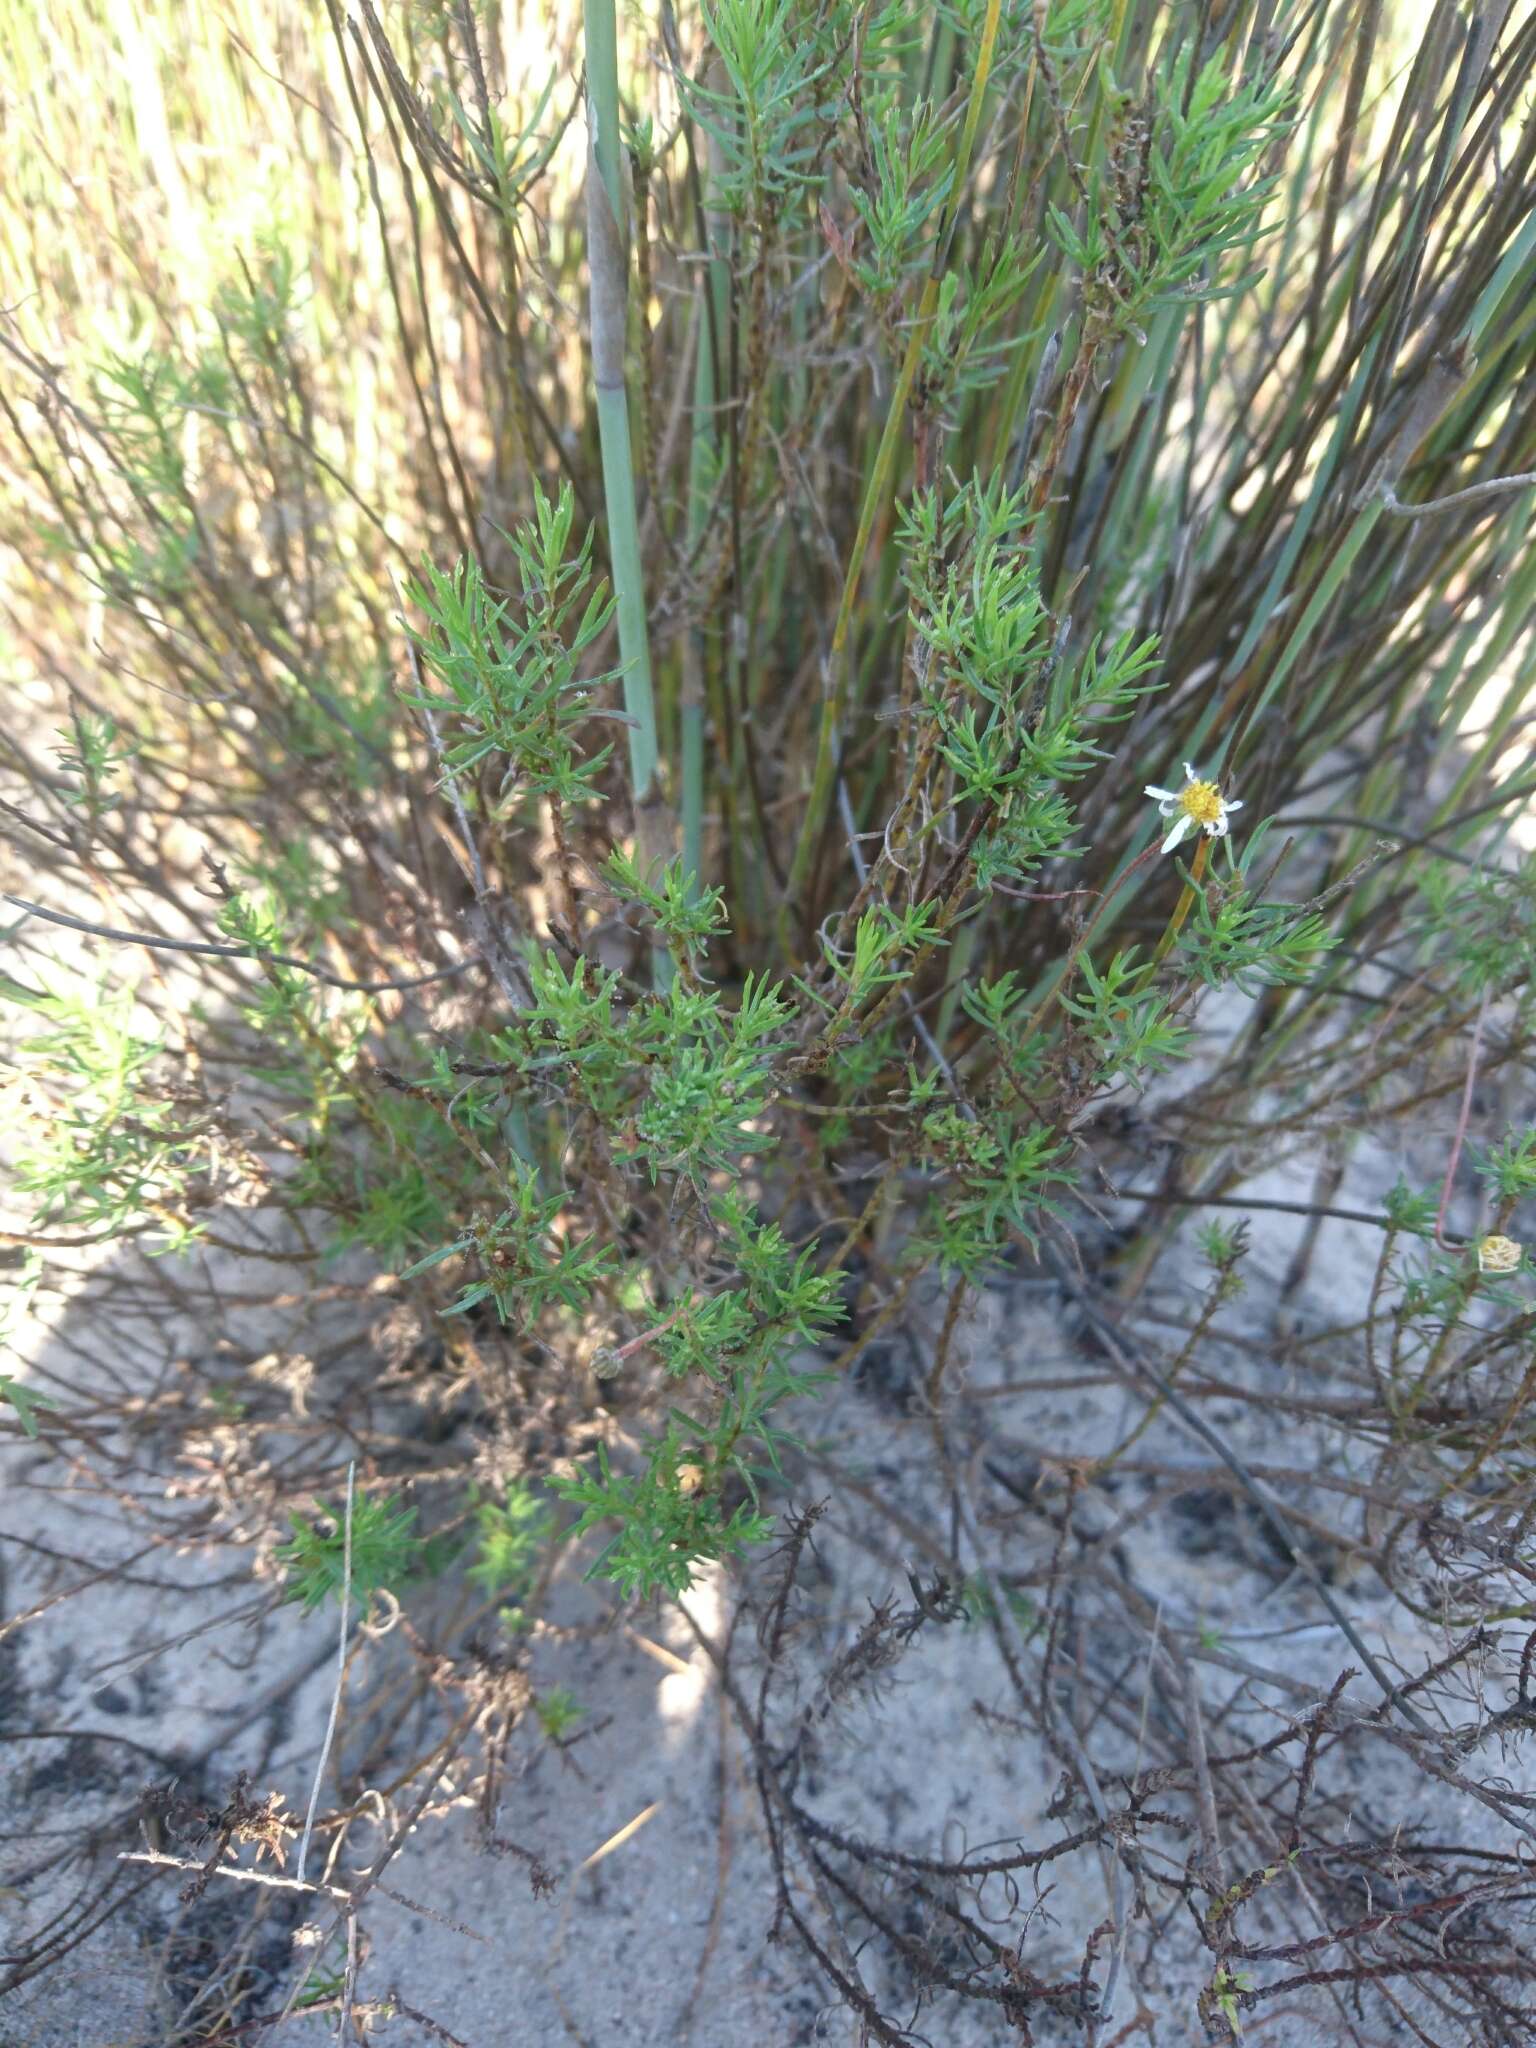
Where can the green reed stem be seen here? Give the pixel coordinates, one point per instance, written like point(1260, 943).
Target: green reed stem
point(835, 701)
point(608, 263)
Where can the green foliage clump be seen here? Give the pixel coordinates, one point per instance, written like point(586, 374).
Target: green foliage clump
point(384, 1552)
point(120, 1151)
point(515, 696)
point(510, 1536)
point(527, 1268)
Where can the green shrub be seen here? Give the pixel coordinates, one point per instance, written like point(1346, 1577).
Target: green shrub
point(646, 750)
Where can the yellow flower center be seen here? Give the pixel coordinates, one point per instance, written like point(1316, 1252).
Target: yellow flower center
point(1202, 802)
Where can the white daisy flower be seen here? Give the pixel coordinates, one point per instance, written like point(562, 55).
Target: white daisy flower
point(1197, 807)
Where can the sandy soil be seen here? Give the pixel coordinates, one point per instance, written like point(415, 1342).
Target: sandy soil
point(659, 1928)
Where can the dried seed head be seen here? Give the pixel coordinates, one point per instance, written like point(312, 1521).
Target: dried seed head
point(1499, 1254)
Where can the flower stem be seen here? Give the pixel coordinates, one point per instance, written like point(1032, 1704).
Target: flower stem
point(1182, 908)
